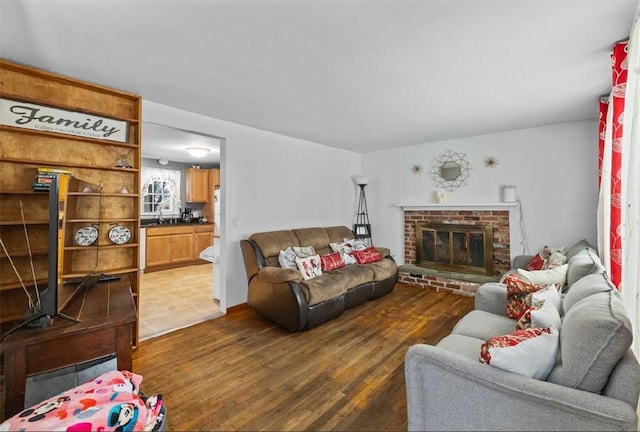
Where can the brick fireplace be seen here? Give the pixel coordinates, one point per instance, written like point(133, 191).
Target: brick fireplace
point(497, 219)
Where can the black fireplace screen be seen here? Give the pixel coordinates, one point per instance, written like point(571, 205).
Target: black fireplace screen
point(453, 247)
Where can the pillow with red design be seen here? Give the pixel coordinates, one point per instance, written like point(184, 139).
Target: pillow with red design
point(331, 261)
point(536, 263)
point(309, 267)
point(530, 352)
point(517, 290)
point(368, 255)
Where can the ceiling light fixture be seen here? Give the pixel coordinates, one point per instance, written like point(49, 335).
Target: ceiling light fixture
point(163, 161)
point(198, 152)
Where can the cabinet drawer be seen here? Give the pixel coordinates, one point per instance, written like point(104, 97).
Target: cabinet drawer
point(203, 228)
point(170, 230)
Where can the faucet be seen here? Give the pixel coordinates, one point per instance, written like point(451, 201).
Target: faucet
point(160, 218)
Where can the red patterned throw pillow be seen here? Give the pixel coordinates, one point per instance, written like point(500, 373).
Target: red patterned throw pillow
point(530, 352)
point(517, 290)
point(368, 255)
point(536, 263)
point(331, 261)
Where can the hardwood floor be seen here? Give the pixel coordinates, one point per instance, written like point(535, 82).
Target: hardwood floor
point(176, 298)
point(241, 372)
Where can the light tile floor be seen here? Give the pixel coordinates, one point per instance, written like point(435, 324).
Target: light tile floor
point(176, 298)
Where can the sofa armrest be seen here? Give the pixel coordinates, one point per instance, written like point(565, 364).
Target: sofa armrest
point(383, 251)
point(276, 275)
point(492, 297)
point(446, 391)
point(521, 261)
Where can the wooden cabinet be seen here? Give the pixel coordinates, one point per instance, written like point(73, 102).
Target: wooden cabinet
point(197, 186)
point(99, 159)
point(176, 245)
point(209, 208)
point(203, 238)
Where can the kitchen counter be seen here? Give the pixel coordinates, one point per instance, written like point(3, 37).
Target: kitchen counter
point(155, 224)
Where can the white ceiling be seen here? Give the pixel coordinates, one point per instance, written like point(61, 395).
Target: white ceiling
point(359, 75)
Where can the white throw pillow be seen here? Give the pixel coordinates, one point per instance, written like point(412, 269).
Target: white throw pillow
point(530, 352)
point(287, 258)
point(357, 244)
point(309, 267)
point(557, 275)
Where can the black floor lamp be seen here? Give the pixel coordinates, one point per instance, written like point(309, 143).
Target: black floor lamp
point(362, 227)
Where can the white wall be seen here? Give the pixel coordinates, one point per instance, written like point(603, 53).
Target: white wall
point(268, 182)
point(554, 168)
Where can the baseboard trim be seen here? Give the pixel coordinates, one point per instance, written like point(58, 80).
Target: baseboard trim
point(237, 308)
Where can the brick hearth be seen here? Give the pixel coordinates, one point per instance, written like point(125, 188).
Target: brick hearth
point(499, 219)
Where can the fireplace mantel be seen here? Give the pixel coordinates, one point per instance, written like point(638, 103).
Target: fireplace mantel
point(457, 206)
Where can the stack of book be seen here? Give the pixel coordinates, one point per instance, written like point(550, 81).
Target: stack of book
point(45, 176)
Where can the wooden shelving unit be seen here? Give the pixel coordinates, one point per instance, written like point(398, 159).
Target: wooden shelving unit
point(90, 159)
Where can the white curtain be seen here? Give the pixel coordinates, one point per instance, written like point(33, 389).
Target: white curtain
point(604, 199)
point(631, 188)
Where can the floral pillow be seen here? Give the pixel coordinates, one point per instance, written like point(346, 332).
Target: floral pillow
point(536, 263)
point(530, 352)
point(368, 255)
point(345, 254)
point(309, 267)
point(517, 291)
point(331, 261)
point(304, 251)
point(287, 258)
point(357, 244)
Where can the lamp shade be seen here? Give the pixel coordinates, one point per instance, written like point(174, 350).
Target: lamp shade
point(360, 180)
point(198, 151)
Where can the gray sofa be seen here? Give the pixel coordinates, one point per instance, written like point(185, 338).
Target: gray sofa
point(593, 385)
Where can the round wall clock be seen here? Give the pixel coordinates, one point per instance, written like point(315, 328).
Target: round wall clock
point(86, 236)
point(120, 234)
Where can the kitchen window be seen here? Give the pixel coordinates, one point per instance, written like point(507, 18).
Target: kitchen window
point(160, 192)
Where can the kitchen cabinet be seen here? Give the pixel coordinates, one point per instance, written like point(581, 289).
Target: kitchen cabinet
point(170, 246)
point(197, 185)
point(203, 238)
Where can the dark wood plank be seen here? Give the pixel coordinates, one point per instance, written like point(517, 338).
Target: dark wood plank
point(241, 372)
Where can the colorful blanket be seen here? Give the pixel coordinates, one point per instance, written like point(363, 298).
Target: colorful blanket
point(110, 402)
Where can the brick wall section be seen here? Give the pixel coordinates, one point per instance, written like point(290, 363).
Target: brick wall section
point(498, 219)
point(439, 283)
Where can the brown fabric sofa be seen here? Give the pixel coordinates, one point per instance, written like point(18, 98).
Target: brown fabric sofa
point(281, 295)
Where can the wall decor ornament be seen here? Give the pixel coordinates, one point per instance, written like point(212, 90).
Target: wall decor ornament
point(416, 169)
point(451, 170)
point(490, 162)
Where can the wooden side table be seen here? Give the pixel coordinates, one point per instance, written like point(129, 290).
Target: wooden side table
point(107, 314)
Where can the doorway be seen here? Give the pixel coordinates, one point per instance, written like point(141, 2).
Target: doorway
point(183, 296)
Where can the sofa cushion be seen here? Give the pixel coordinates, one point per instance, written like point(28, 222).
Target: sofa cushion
point(577, 247)
point(326, 287)
point(596, 333)
point(304, 251)
point(316, 237)
point(529, 352)
point(383, 269)
point(483, 325)
point(583, 288)
point(466, 346)
point(345, 254)
point(540, 315)
point(271, 243)
point(582, 263)
point(337, 233)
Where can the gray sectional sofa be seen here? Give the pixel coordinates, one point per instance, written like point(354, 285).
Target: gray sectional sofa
point(281, 294)
point(593, 385)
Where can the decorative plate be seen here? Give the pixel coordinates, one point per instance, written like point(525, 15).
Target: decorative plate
point(86, 236)
point(120, 234)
